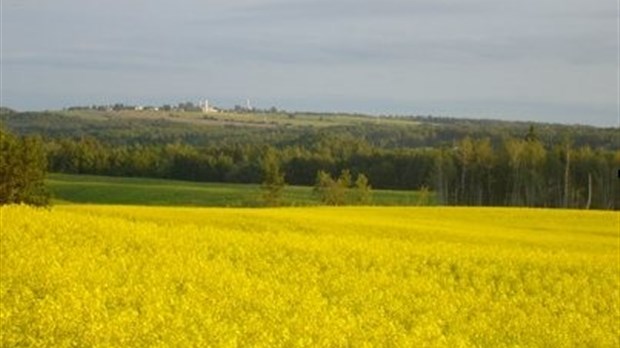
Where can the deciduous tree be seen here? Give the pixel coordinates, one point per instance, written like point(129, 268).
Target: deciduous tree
point(23, 166)
point(273, 178)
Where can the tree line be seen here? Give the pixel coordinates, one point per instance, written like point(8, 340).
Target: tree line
point(516, 171)
point(464, 162)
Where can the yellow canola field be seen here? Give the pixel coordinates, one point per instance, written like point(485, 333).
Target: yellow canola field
point(117, 276)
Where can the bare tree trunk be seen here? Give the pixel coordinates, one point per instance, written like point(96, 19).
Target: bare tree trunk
point(589, 191)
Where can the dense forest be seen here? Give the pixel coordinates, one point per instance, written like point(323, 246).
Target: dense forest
point(465, 162)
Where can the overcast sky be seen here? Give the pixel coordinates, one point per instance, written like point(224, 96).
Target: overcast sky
point(545, 60)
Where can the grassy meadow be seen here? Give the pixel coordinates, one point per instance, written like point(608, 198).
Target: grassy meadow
point(129, 276)
point(67, 188)
point(272, 119)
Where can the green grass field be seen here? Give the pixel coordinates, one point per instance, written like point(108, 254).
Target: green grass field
point(247, 119)
point(156, 192)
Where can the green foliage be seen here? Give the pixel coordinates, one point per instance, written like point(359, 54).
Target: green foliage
point(328, 189)
point(345, 180)
point(338, 191)
point(273, 178)
point(22, 170)
point(363, 190)
point(424, 197)
point(4, 111)
point(465, 162)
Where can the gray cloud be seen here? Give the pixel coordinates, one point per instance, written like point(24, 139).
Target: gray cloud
point(397, 55)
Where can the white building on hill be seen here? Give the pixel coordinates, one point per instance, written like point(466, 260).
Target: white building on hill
point(206, 108)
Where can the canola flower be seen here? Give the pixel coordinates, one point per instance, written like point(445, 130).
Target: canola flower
point(118, 276)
